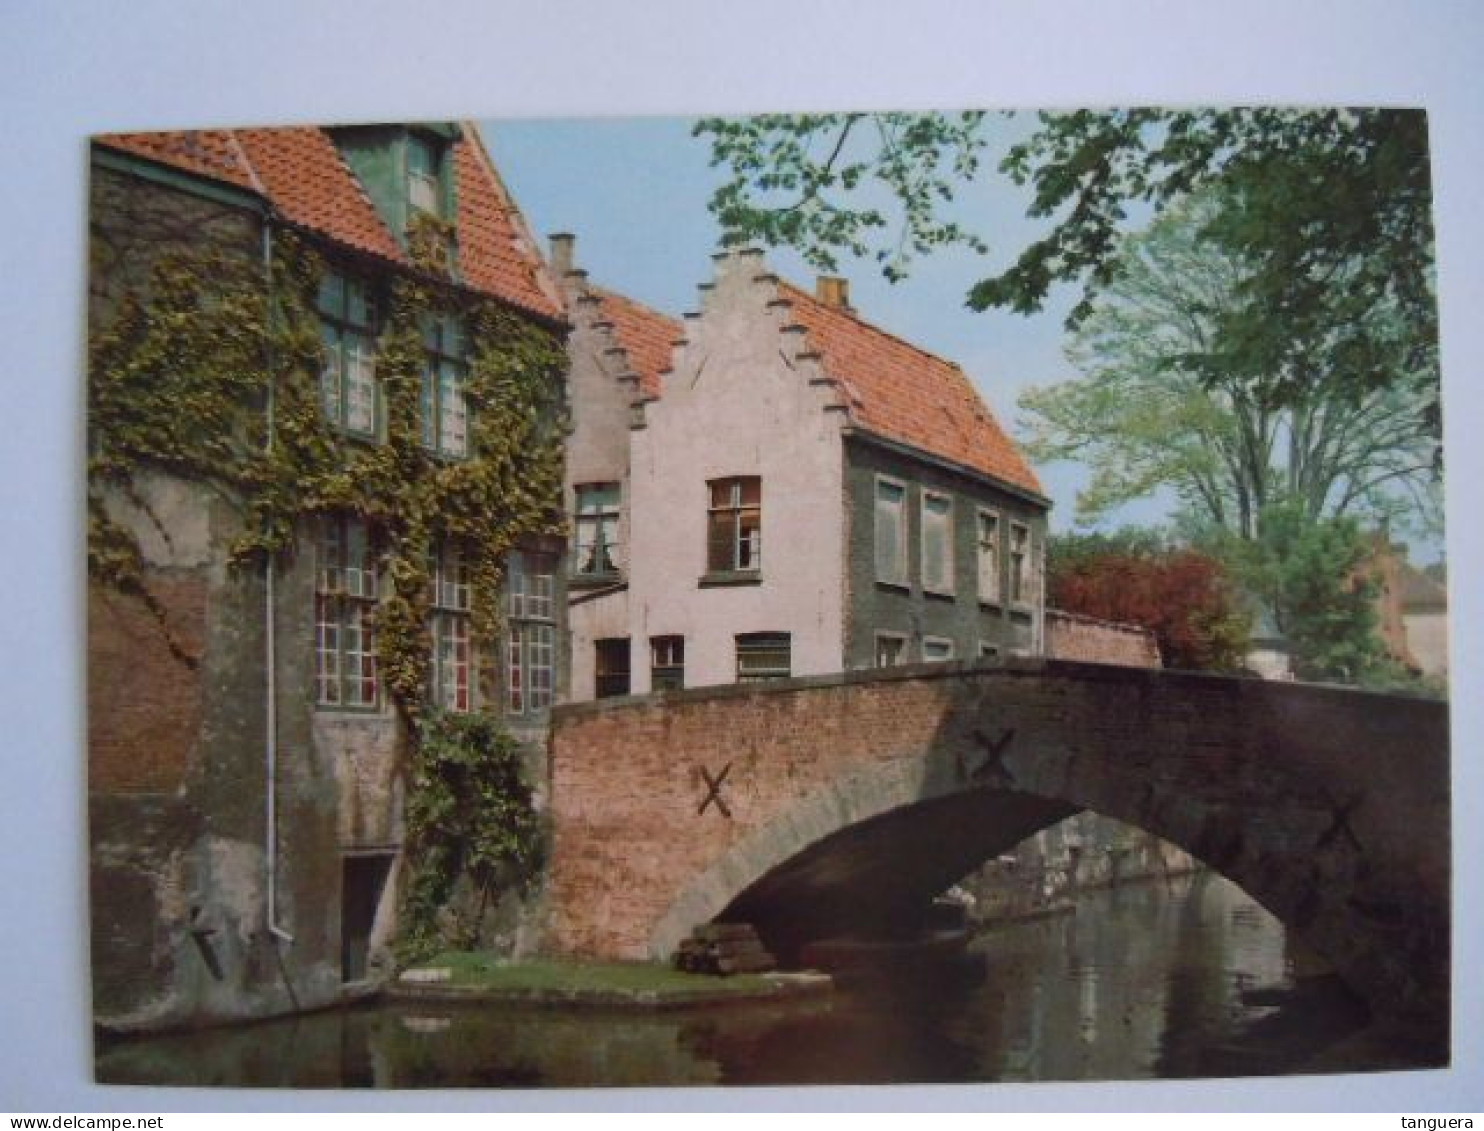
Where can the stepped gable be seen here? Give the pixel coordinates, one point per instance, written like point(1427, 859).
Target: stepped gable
point(299, 170)
point(903, 393)
point(647, 336)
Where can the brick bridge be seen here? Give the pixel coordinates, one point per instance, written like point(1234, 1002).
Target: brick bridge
point(843, 804)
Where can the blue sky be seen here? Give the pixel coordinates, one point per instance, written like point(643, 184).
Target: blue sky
point(634, 191)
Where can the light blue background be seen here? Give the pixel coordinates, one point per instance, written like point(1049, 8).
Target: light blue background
point(69, 69)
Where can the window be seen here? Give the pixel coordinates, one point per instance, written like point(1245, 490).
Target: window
point(445, 414)
point(451, 675)
point(988, 651)
point(348, 380)
point(530, 647)
point(344, 614)
point(597, 529)
point(891, 532)
point(613, 667)
point(734, 535)
point(666, 663)
point(424, 180)
point(763, 655)
point(989, 556)
point(937, 543)
point(1020, 561)
point(891, 649)
point(936, 648)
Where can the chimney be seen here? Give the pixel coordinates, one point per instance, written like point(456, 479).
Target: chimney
point(833, 290)
point(562, 249)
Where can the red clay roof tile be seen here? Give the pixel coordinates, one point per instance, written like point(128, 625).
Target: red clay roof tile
point(302, 173)
point(494, 252)
point(647, 335)
point(903, 393)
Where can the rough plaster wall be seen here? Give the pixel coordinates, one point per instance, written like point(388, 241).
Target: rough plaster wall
point(906, 609)
point(602, 618)
point(177, 751)
point(600, 389)
point(1427, 640)
point(739, 403)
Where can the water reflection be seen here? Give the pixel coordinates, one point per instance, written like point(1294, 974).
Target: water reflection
point(1142, 981)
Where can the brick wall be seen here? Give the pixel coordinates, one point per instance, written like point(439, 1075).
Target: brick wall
point(144, 700)
point(1070, 636)
point(1329, 806)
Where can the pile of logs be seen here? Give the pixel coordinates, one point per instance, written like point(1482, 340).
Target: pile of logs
point(724, 948)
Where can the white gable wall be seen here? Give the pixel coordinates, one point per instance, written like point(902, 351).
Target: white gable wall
point(739, 402)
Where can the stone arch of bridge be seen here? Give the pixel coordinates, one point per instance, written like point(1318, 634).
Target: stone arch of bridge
point(869, 851)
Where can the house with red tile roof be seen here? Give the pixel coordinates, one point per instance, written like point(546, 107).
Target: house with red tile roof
point(248, 768)
point(776, 486)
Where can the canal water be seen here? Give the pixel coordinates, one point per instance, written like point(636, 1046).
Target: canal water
point(1166, 978)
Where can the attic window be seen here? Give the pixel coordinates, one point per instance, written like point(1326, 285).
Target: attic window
point(424, 175)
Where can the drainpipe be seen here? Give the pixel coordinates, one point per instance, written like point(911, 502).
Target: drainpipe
point(270, 657)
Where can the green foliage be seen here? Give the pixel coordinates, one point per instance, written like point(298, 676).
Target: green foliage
point(1331, 209)
point(1310, 574)
point(186, 378)
point(470, 813)
point(1140, 576)
point(181, 380)
point(793, 171)
point(1147, 413)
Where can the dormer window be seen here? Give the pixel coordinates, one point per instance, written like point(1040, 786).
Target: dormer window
point(424, 175)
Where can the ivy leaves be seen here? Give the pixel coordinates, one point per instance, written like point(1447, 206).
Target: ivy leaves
point(471, 814)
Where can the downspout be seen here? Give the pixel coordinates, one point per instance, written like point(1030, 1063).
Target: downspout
point(270, 658)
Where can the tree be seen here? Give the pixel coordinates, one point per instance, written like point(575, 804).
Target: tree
point(1331, 208)
point(1150, 412)
point(1137, 577)
point(1310, 575)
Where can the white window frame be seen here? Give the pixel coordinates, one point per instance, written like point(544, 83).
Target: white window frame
point(345, 597)
point(742, 542)
point(943, 641)
point(932, 585)
point(667, 658)
point(443, 404)
point(350, 395)
point(1022, 566)
point(596, 525)
point(451, 672)
point(900, 639)
point(530, 633)
point(991, 582)
point(886, 576)
point(428, 184)
point(749, 643)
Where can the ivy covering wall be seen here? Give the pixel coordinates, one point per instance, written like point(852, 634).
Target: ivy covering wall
point(209, 370)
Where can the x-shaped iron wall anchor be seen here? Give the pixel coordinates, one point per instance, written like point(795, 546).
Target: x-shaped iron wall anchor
point(713, 791)
point(991, 771)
